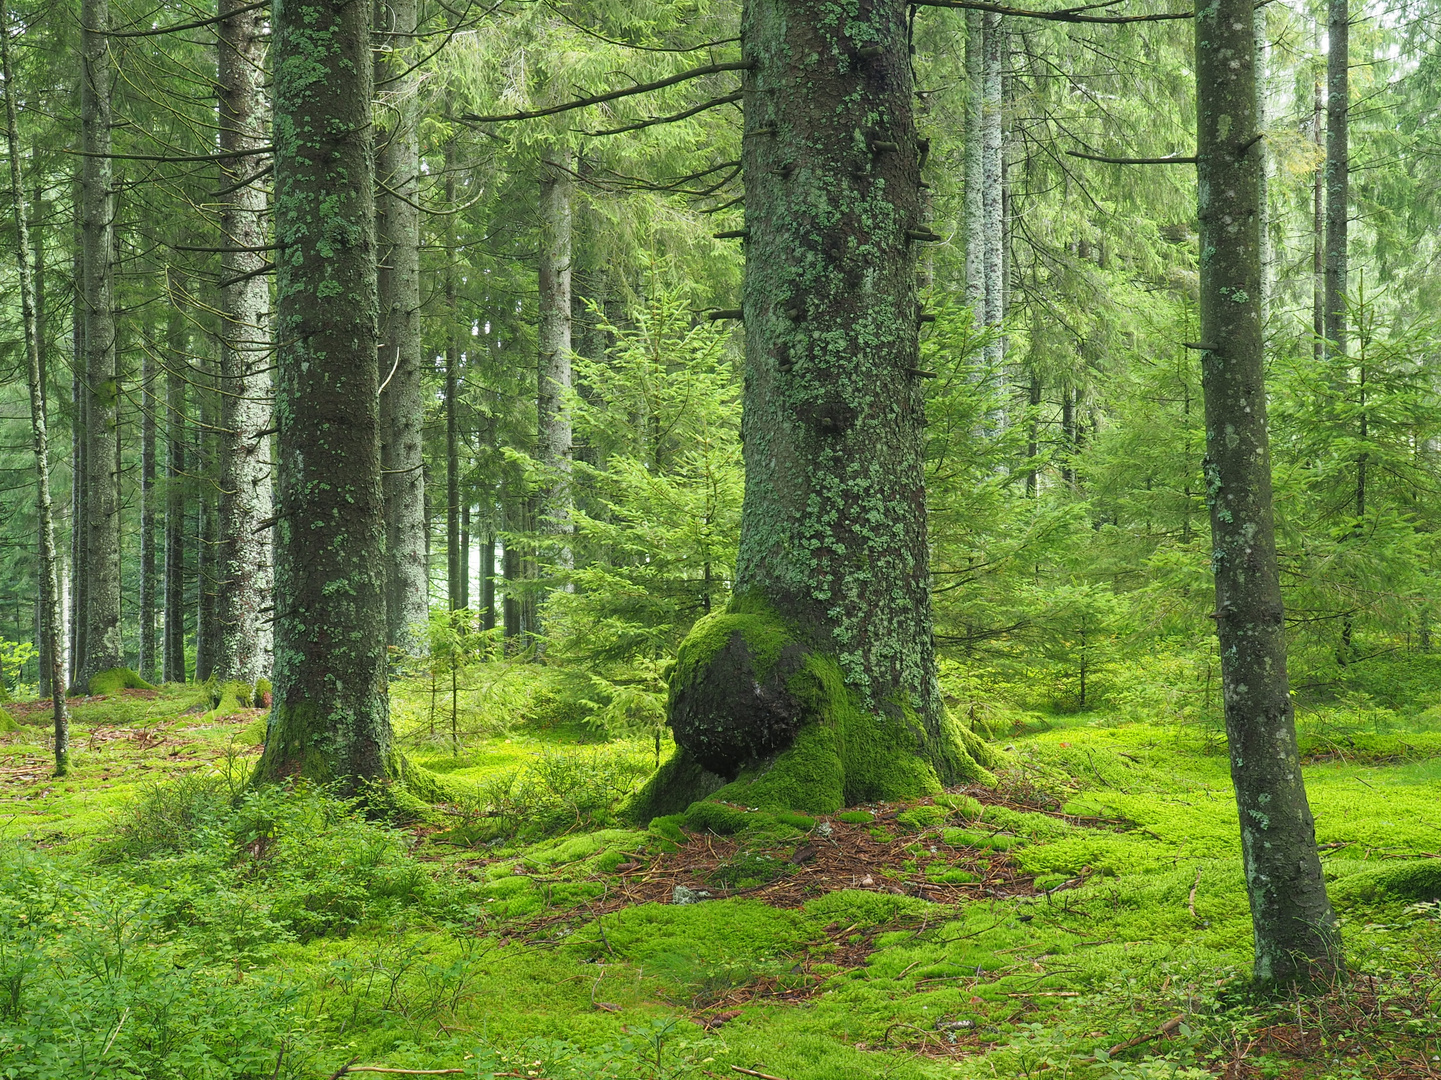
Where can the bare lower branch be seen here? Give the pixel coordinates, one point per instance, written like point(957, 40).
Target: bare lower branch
point(613, 95)
point(1133, 160)
point(654, 120)
point(1071, 15)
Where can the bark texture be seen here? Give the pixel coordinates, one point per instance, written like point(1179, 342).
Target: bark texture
point(40, 440)
point(148, 533)
point(407, 581)
point(174, 632)
point(1338, 169)
point(243, 562)
point(330, 719)
point(103, 646)
point(995, 54)
point(833, 557)
point(1295, 932)
point(553, 425)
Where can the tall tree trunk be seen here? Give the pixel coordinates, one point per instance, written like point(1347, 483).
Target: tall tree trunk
point(407, 581)
point(1318, 210)
point(457, 572)
point(40, 441)
point(1338, 170)
point(176, 351)
point(995, 56)
point(1263, 50)
point(146, 664)
point(1295, 932)
point(330, 720)
point(833, 551)
point(487, 579)
point(243, 557)
point(974, 198)
point(553, 425)
point(103, 646)
point(79, 474)
point(464, 553)
point(207, 505)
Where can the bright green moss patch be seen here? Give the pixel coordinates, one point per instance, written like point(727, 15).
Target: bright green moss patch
point(855, 817)
point(113, 680)
point(7, 722)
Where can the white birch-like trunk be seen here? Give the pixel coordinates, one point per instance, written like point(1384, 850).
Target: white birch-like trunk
point(994, 54)
point(40, 443)
point(407, 580)
point(244, 559)
point(974, 197)
point(553, 423)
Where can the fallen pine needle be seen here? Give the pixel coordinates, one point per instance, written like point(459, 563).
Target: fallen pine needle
point(752, 1072)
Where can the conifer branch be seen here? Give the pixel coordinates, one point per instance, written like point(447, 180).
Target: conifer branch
point(654, 120)
point(613, 95)
point(159, 31)
point(1071, 15)
point(1191, 160)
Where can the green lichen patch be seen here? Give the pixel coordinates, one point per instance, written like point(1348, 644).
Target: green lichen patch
point(114, 680)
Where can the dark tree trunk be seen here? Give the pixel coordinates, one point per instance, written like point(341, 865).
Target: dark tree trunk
point(487, 580)
point(79, 476)
point(1296, 937)
point(833, 556)
point(331, 719)
point(207, 562)
point(1338, 170)
point(175, 528)
point(148, 408)
point(103, 646)
point(463, 556)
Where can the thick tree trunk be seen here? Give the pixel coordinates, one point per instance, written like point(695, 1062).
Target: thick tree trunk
point(1338, 170)
point(103, 646)
point(175, 528)
point(407, 581)
point(146, 665)
point(330, 720)
point(1263, 50)
point(40, 441)
point(826, 648)
point(243, 558)
point(1296, 937)
point(553, 381)
point(457, 571)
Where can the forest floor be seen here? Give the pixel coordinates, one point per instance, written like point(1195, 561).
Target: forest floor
point(1086, 919)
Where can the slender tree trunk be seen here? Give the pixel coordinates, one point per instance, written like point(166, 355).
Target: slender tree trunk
point(1338, 170)
point(103, 646)
point(833, 544)
point(458, 572)
point(995, 54)
point(511, 572)
point(407, 581)
point(1263, 51)
point(175, 527)
point(487, 580)
point(975, 180)
point(553, 382)
point(1033, 442)
point(464, 544)
point(146, 665)
point(40, 442)
point(1296, 936)
point(79, 476)
point(330, 720)
point(243, 557)
point(207, 562)
point(1318, 235)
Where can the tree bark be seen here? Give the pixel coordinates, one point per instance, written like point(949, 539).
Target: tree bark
point(79, 474)
point(457, 571)
point(146, 663)
point(553, 426)
point(995, 55)
point(40, 441)
point(407, 581)
point(175, 358)
point(207, 562)
point(103, 646)
point(330, 720)
point(243, 557)
point(1338, 171)
point(833, 556)
point(1318, 210)
point(974, 199)
point(1295, 932)
point(487, 580)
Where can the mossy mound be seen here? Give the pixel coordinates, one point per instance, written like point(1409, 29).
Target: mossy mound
point(262, 694)
point(730, 702)
point(228, 698)
point(113, 680)
point(1418, 879)
point(7, 723)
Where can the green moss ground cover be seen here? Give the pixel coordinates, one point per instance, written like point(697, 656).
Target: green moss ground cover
point(158, 920)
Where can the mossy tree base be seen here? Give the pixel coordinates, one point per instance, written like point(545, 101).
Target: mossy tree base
point(761, 721)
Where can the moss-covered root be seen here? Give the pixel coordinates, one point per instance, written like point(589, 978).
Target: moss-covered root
point(7, 723)
point(229, 698)
point(113, 680)
point(680, 781)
